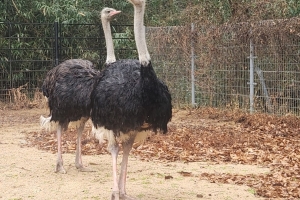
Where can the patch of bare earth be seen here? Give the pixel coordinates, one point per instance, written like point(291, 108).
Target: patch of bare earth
point(207, 154)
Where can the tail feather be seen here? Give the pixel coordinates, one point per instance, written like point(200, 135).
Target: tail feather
point(103, 134)
point(47, 124)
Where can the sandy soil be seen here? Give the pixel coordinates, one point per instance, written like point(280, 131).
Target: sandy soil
point(28, 173)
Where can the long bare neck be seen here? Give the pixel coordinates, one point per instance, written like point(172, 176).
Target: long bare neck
point(140, 34)
point(110, 56)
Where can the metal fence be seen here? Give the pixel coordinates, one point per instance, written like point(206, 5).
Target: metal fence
point(28, 51)
point(256, 76)
point(198, 72)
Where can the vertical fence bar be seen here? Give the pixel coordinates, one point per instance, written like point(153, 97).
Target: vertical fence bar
point(192, 65)
point(251, 95)
point(10, 55)
point(56, 49)
point(259, 72)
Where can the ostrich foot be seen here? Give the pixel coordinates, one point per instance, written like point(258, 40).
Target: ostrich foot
point(60, 169)
point(126, 197)
point(115, 195)
point(81, 168)
point(84, 169)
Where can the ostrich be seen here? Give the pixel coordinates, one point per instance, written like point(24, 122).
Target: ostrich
point(67, 88)
point(128, 102)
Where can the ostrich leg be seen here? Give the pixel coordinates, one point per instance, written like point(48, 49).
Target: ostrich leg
point(127, 146)
point(59, 163)
point(114, 153)
point(78, 159)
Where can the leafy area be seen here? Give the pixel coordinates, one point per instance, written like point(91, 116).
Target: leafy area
point(166, 12)
point(215, 136)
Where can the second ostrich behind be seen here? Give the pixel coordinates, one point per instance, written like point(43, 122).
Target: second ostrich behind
point(68, 89)
point(128, 102)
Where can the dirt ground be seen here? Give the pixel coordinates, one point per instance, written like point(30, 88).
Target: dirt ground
point(159, 169)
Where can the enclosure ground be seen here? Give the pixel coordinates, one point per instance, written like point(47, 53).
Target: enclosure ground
point(205, 155)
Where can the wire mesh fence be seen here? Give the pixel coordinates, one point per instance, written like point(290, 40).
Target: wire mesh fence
point(199, 67)
point(222, 68)
point(170, 53)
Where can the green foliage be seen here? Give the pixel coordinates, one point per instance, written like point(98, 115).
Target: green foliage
point(124, 44)
point(67, 11)
point(294, 7)
point(159, 12)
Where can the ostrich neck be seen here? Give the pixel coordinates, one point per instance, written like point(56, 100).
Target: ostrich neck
point(140, 35)
point(110, 56)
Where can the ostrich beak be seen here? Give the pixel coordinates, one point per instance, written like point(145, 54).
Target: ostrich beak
point(114, 12)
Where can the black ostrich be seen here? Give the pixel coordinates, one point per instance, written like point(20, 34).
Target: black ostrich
point(68, 89)
point(128, 102)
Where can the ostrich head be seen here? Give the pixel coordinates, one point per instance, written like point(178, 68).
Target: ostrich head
point(109, 14)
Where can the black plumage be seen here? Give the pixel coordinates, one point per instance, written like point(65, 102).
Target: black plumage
point(68, 88)
point(128, 100)
point(127, 96)
point(156, 99)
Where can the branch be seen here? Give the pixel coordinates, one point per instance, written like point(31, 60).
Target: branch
point(18, 11)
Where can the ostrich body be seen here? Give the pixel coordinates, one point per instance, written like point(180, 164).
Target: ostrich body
point(128, 102)
point(68, 89)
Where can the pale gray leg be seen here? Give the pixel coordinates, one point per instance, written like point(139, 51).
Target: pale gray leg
point(114, 150)
point(59, 163)
point(78, 158)
point(127, 146)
